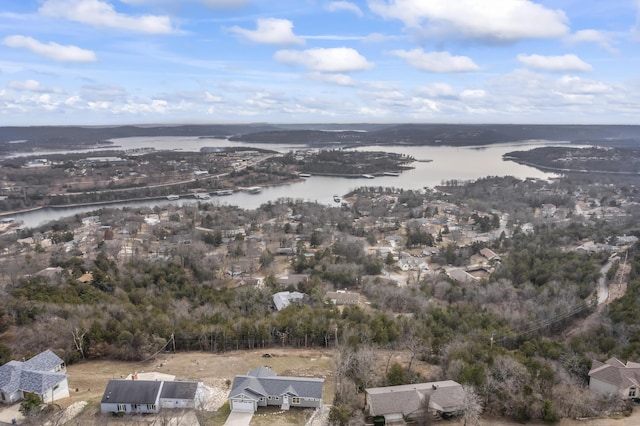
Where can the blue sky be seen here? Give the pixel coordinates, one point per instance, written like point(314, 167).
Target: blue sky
point(310, 61)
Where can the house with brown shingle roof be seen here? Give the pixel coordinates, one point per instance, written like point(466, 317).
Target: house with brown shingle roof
point(613, 377)
point(395, 403)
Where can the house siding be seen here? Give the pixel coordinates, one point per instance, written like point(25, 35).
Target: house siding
point(11, 398)
point(603, 388)
point(129, 408)
point(61, 390)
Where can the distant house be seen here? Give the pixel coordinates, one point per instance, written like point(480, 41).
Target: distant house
point(410, 263)
point(460, 275)
point(43, 375)
point(342, 297)
point(489, 254)
point(396, 403)
point(49, 272)
point(284, 298)
point(548, 210)
point(261, 387)
point(86, 278)
point(613, 377)
point(147, 396)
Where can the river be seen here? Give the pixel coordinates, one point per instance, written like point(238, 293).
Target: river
point(446, 163)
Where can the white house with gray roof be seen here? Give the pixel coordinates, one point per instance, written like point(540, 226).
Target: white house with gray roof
point(613, 377)
point(395, 403)
point(148, 396)
point(261, 387)
point(44, 375)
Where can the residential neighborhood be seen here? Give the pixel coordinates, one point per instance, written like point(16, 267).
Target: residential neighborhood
point(376, 271)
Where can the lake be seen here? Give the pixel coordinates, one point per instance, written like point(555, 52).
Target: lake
point(447, 163)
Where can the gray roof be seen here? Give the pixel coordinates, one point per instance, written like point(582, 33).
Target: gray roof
point(284, 298)
point(261, 372)
point(264, 385)
point(34, 375)
point(179, 390)
point(616, 373)
point(10, 376)
point(44, 361)
point(39, 381)
point(444, 396)
point(131, 392)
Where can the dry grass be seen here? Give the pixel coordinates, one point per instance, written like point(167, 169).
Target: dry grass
point(215, 370)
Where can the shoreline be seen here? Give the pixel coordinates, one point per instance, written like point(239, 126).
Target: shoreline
point(127, 200)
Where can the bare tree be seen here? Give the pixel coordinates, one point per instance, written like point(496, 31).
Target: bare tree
point(472, 406)
point(78, 340)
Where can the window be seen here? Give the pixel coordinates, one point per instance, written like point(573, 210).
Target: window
point(135, 407)
point(295, 400)
point(56, 387)
point(151, 407)
point(122, 407)
point(632, 392)
point(270, 397)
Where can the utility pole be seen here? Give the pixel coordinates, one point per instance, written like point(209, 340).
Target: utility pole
point(173, 342)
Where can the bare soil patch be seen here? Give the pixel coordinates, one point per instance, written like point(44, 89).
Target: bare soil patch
point(88, 380)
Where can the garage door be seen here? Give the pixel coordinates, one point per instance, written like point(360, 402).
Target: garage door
point(243, 406)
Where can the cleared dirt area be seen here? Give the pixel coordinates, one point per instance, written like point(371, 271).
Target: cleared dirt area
point(88, 380)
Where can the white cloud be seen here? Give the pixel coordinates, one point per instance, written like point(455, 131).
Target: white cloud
point(270, 31)
point(333, 78)
point(51, 50)
point(473, 94)
point(438, 90)
point(562, 63)
point(336, 6)
point(209, 97)
point(332, 60)
point(102, 14)
point(496, 20)
point(602, 39)
point(580, 86)
point(440, 62)
point(26, 86)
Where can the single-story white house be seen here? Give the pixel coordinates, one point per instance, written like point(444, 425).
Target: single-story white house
point(44, 375)
point(147, 396)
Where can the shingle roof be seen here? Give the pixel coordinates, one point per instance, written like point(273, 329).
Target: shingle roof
point(179, 390)
point(10, 376)
point(261, 372)
point(445, 396)
point(131, 392)
point(44, 361)
point(39, 381)
point(616, 373)
point(34, 375)
point(265, 385)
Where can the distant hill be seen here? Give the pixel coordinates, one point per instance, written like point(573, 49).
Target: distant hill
point(70, 137)
point(449, 134)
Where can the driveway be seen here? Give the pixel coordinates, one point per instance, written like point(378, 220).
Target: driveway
point(9, 413)
point(238, 418)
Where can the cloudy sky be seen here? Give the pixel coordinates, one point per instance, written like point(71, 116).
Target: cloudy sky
point(306, 61)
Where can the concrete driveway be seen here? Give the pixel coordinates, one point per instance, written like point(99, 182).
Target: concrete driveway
point(238, 418)
point(9, 413)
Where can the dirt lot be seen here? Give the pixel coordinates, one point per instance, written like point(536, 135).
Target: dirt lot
point(87, 381)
